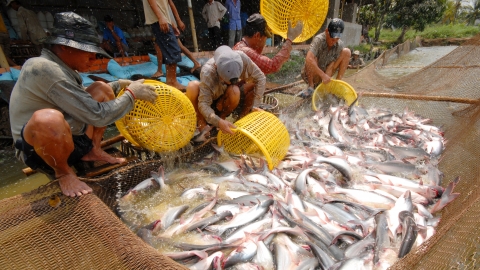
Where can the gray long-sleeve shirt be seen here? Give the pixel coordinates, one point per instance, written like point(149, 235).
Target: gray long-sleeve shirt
point(46, 82)
point(211, 88)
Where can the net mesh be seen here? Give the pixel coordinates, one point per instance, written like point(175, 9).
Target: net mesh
point(85, 233)
point(453, 77)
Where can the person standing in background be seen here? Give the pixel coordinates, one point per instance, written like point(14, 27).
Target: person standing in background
point(213, 12)
point(156, 15)
point(234, 22)
point(5, 41)
point(30, 27)
point(113, 38)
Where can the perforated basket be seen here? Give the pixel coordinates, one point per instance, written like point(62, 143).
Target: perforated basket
point(339, 88)
point(269, 103)
point(277, 13)
point(164, 126)
point(258, 133)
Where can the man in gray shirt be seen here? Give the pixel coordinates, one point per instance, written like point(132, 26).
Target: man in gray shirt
point(325, 56)
point(56, 121)
point(213, 12)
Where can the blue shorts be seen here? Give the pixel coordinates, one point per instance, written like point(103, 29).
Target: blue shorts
point(171, 53)
point(82, 146)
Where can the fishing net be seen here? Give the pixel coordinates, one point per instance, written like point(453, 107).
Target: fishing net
point(43, 229)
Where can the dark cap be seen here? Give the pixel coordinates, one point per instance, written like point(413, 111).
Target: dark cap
point(335, 28)
point(72, 30)
point(257, 23)
point(108, 18)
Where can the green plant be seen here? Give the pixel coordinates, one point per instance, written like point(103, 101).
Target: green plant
point(289, 71)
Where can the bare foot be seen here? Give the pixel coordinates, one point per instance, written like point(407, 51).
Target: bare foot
point(157, 74)
point(178, 85)
point(71, 186)
point(100, 155)
point(195, 66)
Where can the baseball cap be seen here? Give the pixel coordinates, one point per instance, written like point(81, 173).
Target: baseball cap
point(335, 28)
point(229, 63)
point(357, 52)
point(258, 24)
point(72, 30)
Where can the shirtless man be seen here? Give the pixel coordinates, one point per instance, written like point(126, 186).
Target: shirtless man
point(56, 121)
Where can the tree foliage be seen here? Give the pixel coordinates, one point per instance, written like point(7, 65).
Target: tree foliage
point(404, 14)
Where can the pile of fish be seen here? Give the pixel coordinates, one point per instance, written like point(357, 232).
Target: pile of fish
point(358, 189)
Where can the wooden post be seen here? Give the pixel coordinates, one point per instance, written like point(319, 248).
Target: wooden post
point(192, 26)
point(3, 60)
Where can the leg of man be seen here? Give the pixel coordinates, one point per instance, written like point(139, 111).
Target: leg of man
point(171, 53)
point(101, 92)
point(247, 105)
point(229, 101)
point(340, 64)
point(190, 56)
point(51, 137)
point(238, 36)
point(231, 37)
point(193, 89)
point(211, 36)
point(218, 37)
point(159, 61)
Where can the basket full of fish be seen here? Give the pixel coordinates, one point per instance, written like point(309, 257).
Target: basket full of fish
point(358, 189)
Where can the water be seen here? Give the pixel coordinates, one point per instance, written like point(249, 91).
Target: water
point(413, 61)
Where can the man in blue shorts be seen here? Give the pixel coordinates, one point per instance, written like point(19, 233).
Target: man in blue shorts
point(156, 15)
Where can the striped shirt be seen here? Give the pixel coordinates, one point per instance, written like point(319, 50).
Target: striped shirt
point(211, 88)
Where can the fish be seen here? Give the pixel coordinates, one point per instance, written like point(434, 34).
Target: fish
point(202, 135)
point(209, 220)
point(409, 232)
point(243, 218)
point(242, 253)
point(447, 197)
point(382, 240)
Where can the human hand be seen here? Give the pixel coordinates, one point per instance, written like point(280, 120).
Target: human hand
point(325, 78)
point(143, 91)
point(256, 109)
point(293, 33)
point(124, 83)
point(163, 25)
point(226, 126)
point(176, 32)
point(181, 26)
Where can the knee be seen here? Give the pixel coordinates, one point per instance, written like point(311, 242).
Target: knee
point(192, 91)
point(101, 91)
point(346, 54)
point(47, 121)
point(46, 116)
point(233, 93)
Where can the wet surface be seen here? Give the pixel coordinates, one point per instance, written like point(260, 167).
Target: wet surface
point(413, 61)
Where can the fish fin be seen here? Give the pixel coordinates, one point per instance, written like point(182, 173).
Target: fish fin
point(447, 196)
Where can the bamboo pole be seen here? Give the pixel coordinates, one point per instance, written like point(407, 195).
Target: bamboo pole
point(192, 26)
point(419, 97)
point(3, 60)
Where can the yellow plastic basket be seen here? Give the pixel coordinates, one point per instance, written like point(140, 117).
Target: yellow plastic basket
point(339, 88)
point(277, 13)
point(164, 126)
point(258, 133)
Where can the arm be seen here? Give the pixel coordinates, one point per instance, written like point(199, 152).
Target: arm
point(221, 10)
point(258, 77)
point(311, 66)
point(204, 13)
point(118, 39)
point(161, 19)
point(80, 105)
point(180, 24)
point(22, 25)
point(266, 64)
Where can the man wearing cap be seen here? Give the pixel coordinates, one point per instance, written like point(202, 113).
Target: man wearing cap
point(213, 12)
point(254, 39)
point(57, 122)
point(30, 27)
point(218, 93)
point(113, 38)
point(325, 56)
point(356, 61)
point(157, 16)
